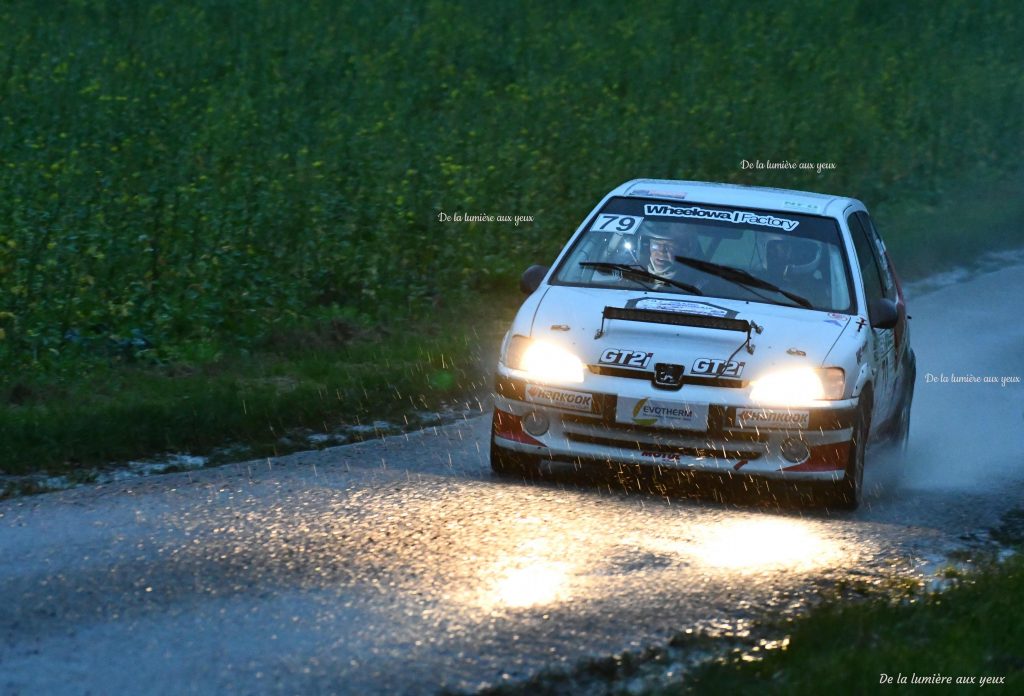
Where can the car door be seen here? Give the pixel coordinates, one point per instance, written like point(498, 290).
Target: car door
point(878, 284)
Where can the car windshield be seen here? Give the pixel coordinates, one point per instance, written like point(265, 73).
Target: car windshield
point(738, 253)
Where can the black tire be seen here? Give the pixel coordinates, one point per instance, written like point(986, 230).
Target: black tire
point(901, 428)
point(508, 464)
point(850, 491)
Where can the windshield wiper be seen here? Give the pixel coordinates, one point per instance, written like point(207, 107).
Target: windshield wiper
point(741, 277)
point(626, 269)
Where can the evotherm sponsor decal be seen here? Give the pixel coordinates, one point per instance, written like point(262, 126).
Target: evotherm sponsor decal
point(666, 414)
point(577, 401)
point(772, 418)
point(646, 408)
point(738, 217)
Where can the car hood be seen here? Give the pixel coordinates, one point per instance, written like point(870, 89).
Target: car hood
point(572, 317)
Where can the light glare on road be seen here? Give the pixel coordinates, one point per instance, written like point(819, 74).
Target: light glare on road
point(535, 575)
point(752, 545)
point(535, 571)
point(533, 585)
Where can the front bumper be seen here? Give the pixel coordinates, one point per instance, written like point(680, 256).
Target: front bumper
point(817, 450)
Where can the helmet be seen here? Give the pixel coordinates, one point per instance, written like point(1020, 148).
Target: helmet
point(787, 256)
point(657, 243)
point(663, 241)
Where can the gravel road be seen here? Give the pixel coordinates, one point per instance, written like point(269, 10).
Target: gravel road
point(402, 566)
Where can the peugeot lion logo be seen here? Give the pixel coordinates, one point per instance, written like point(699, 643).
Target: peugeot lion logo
point(668, 375)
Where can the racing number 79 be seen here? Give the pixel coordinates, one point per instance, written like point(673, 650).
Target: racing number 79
point(622, 223)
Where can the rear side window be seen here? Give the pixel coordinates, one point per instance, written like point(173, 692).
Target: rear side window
point(874, 288)
point(888, 284)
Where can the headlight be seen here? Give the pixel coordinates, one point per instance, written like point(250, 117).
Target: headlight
point(545, 362)
point(799, 386)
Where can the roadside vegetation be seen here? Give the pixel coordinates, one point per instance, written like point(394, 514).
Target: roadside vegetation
point(309, 381)
point(220, 222)
point(961, 640)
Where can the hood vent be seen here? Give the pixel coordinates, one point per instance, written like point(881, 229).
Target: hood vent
point(652, 316)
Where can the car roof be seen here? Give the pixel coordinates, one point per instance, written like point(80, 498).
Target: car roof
point(760, 197)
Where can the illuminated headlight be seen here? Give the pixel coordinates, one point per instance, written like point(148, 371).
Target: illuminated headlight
point(799, 386)
point(545, 362)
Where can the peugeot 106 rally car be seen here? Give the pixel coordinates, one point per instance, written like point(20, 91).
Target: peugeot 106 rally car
point(710, 327)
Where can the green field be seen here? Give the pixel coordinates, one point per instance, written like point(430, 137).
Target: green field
point(198, 187)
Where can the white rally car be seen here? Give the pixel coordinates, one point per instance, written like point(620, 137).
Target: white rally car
point(710, 327)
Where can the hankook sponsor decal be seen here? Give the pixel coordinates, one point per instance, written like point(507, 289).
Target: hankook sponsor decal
point(626, 357)
point(739, 217)
point(665, 414)
point(772, 418)
point(577, 401)
point(717, 367)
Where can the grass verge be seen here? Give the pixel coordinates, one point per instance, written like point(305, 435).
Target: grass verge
point(973, 631)
point(99, 410)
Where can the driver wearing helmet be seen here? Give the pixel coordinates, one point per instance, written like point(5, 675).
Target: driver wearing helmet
point(665, 242)
point(795, 264)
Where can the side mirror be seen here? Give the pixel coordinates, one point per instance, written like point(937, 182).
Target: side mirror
point(531, 278)
point(883, 314)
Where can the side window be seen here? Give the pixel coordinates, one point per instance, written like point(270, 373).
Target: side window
point(888, 283)
point(873, 288)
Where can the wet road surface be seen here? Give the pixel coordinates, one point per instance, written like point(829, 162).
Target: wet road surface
point(402, 565)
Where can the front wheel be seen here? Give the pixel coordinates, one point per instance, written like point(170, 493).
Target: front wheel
point(850, 491)
point(901, 431)
point(901, 428)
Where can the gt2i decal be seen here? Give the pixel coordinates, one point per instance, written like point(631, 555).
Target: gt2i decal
point(626, 224)
point(739, 217)
point(772, 418)
point(625, 358)
point(577, 401)
point(716, 367)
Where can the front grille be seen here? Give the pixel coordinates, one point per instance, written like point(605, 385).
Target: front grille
point(648, 376)
point(625, 431)
point(647, 439)
point(663, 448)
